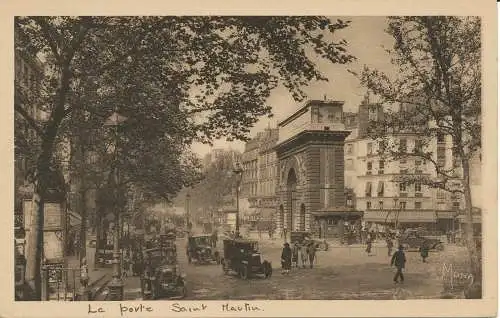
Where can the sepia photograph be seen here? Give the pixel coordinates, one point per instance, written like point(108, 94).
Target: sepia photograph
point(198, 158)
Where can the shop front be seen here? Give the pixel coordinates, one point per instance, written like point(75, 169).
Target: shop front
point(402, 219)
point(331, 224)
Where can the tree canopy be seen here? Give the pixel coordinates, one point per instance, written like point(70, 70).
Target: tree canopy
point(438, 90)
point(176, 79)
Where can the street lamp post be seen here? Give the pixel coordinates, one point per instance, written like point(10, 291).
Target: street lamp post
point(116, 284)
point(238, 171)
point(396, 213)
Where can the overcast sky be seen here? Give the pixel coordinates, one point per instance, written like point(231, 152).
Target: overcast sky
point(366, 41)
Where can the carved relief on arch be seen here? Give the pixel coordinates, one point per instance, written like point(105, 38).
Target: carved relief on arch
point(298, 163)
point(290, 163)
point(302, 170)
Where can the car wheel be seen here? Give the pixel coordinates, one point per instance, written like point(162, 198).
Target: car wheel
point(440, 247)
point(244, 272)
point(323, 246)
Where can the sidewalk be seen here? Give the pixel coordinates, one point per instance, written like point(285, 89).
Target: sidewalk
point(98, 277)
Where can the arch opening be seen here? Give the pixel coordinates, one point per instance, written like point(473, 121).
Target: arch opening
point(291, 184)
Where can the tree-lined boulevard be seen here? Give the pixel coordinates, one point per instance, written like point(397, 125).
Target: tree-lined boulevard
point(107, 131)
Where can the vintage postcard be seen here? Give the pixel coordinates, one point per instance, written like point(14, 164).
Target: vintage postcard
point(249, 160)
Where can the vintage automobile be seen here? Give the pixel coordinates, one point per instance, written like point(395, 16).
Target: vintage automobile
point(161, 276)
point(243, 257)
point(299, 236)
point(413, 240)
point(199, 248)
point(105, 255)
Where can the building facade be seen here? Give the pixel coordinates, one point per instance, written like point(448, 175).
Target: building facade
point(250, 177)
point(321, 170)
point(267, 200)
point(311, 188)
point(378, 181)
point(260, 174)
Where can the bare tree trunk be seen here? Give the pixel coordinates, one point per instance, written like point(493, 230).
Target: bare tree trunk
point(475, 262)
point(36, 237)
point(98, 232)
point(83, 226)
point(33, 258)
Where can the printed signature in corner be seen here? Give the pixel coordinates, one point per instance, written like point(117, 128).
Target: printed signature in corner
point(449, 274)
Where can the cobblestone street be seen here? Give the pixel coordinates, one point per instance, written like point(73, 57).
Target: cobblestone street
point(341, 273)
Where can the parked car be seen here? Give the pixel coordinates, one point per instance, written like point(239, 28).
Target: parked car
point(243, 257)
point(411, 240)
point(161, 276)
point(105, 255)
point(199, 248)
point(299, 236)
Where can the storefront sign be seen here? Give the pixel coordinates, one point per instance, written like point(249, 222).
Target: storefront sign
point(53, 220)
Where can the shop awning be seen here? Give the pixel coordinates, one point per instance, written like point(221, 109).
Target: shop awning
point(403, 216)
point(445, 214)
point(475, 219)
point(345, 213)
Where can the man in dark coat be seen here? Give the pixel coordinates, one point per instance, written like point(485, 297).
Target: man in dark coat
point(369, 240)
point(424, 251)
point(214, 238)
point(399, 260)
point(286, 258)
point(311, 251)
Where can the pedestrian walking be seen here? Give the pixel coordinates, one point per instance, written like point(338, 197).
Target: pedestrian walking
point(295, 255)
point(311, 252)
point(303, 253)
point(390, 245)
point(286, 259)
point(84, 273)
point(270, 233)
point(399, 260)
point(424, 251)
point(125, 265)
point(285, 232)
point(369, 244)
